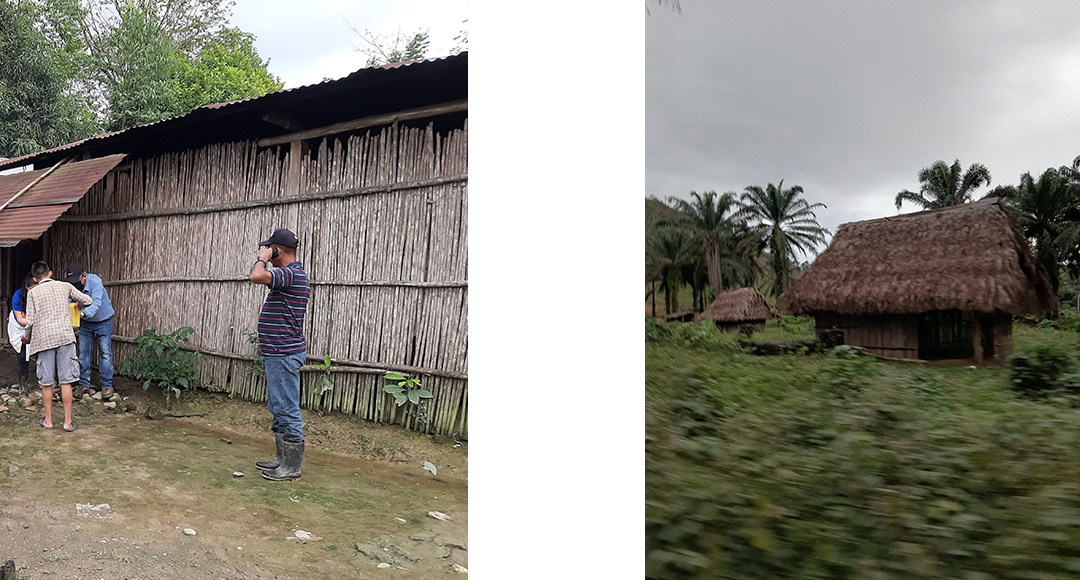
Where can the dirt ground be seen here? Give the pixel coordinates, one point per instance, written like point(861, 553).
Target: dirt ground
point(112, 499)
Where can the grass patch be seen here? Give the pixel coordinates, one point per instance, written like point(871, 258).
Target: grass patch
point(823, 466)
point(786, 329)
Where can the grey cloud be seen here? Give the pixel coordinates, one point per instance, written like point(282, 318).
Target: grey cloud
point(851, 98)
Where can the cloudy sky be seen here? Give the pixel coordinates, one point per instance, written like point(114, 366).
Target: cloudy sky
point(849, 99)
point(311, 40)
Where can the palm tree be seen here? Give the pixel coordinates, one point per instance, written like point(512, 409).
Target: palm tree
point(1042, 209)
point(705, 215)
point(785, 222)
point(668, 251)
point(740, 250)
point(943, 185)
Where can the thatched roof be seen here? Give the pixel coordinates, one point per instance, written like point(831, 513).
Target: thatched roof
point(968, 257)
point(739, 305)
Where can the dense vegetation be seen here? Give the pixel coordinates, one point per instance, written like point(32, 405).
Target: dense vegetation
point(714, 242)
point(839, 466)
point(74, 68)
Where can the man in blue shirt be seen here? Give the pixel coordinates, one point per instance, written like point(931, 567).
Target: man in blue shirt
point(95, 327)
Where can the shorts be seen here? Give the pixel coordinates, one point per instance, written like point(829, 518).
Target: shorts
point(60, 363)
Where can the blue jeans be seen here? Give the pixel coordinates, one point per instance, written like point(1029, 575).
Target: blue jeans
point(283, 394)
point(99, 333)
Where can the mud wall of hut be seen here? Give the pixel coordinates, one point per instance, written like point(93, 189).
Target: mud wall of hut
point(382, 222)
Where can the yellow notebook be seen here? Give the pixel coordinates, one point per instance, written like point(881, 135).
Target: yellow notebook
point(74, 315)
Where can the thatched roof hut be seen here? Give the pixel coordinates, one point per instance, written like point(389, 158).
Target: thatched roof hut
point(742, 306)
point(942, 267)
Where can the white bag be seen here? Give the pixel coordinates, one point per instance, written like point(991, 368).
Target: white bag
point(15, 332)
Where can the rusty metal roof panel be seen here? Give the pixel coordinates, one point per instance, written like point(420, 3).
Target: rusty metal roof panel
point(68, 183)
point(18, 161)
point(14, 183)
point(27, 223)
point(33, 212)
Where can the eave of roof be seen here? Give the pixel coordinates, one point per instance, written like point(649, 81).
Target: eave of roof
point(220, 109)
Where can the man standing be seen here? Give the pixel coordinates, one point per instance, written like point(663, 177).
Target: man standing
point(95, 326)
point(52, 339)
point(281, 341)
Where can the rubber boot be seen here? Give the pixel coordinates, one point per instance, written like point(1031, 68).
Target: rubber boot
point(276, 462)
point(292, 455)
point(24, 385)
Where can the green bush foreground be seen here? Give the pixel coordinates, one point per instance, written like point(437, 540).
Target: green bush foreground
point(840, 466)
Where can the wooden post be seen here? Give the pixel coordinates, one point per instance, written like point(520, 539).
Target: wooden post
point(296, 156)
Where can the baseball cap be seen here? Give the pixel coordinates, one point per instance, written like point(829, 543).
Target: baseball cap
point(282, 237)
point(74, 271)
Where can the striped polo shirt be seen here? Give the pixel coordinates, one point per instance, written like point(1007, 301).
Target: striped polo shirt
point(281, 322)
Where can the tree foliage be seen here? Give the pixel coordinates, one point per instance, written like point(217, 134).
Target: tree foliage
point(74, 67)
point(786, 223)
point(383, 49)
point(138, 68)
point(40, 106)
point(228, 69)
point(669, 251)
point(706, 215)
point(157, 59)
point(943, 185)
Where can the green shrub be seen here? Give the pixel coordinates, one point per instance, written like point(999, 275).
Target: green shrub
point(1070, 320)
point(847, 372)
point(1037, 369)
point(792, 483)
point(159, 360)
point(698, 336)
point(1046, 323)
point(653, 329)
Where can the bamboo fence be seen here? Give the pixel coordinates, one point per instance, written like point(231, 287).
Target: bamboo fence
point(382, 222)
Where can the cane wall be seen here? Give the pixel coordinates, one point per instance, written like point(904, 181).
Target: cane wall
point(382, 218)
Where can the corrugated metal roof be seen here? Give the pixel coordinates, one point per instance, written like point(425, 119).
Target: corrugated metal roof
point(27, 223)
point(21, 160)
point(30, 214)
point(25, 159)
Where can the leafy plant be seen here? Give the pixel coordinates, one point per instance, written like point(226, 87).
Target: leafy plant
point(160, 360)
point(258, 364)
point(1039, 368)
point(408, 390)
point(325, 385)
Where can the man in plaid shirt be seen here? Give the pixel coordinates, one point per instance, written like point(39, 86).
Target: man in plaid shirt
point(48, 319)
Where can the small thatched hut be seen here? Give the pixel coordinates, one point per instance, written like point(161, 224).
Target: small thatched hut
point(732, 309)
point(939, 284)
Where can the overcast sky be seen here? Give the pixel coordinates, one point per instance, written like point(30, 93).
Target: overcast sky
point(309, 40)
point(849, 99)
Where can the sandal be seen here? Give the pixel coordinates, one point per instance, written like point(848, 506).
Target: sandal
point(42, 423)
point(68, 430)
